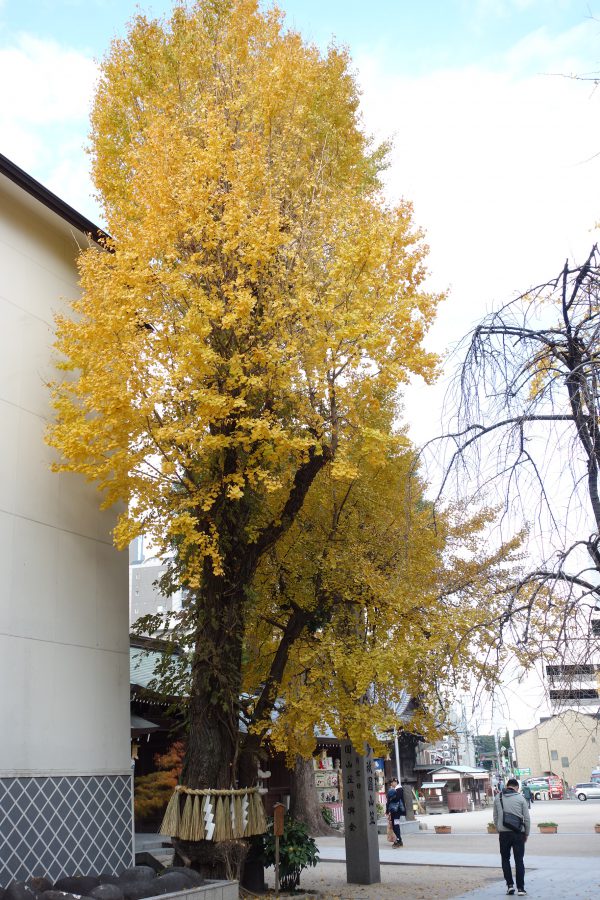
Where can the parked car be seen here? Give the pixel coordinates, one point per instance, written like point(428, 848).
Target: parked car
point(588, 790)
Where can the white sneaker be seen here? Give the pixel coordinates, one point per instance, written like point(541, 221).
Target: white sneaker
point(510, 890)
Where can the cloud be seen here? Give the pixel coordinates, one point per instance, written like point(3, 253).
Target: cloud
point(502, 9)
point(44, 115)
point(500, 167)
point(564, 52)
point(49, 83)
point(503, 171)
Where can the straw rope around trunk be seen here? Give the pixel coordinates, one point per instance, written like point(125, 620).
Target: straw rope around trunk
point(214, 815)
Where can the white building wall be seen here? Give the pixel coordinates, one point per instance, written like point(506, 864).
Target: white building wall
point(64, 655)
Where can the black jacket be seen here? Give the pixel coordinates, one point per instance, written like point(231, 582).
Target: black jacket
point(395, 803)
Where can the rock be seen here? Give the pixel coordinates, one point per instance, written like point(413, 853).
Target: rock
point(61, 895)
point(137, 873)
point(40, 883)
point(164, 884)
point(138, 890)
point(143, 858)
point(20, 890)
point(195, 878)
point(108, 892)
point(77, 884)
point(172, 881)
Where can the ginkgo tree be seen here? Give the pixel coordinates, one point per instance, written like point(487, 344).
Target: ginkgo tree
point(256, 299)
point(369, 597)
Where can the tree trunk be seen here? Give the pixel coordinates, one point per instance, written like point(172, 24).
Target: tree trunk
point(214, 706)
point(213, 717)
point(304, 803)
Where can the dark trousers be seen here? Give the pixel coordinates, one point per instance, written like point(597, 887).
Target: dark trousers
point(512, 839)
point(397, 831)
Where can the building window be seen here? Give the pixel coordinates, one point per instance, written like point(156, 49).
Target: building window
point(554, 754)
point(564, 761)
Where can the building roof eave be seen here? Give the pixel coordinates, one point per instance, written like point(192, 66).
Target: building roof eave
point(50, 200)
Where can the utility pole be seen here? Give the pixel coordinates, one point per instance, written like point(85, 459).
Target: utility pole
point(498, 763)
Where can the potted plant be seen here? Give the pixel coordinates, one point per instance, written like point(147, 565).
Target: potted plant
point(443, 829)
point(491, 828)
point(597, 827)
point(548, 827)
point(297, 850)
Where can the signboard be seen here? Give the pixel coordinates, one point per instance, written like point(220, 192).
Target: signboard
point(522, 771)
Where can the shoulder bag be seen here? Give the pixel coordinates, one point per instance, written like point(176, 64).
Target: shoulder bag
point(511, 820)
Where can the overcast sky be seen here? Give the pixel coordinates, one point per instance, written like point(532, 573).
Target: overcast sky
point(498, 150)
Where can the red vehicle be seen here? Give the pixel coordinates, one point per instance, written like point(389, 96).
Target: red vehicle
point(556, 790)
point(551, 784)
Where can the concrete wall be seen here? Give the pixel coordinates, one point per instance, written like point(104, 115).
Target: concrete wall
point(572, 737)
point(64, 656)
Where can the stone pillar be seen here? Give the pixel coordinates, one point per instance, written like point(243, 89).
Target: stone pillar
point(408, 802)
point(360, 815)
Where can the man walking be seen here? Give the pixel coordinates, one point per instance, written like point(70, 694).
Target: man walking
point(511, 818)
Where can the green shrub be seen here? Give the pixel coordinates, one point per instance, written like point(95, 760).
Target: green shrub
point(328, 816)
point(297, 851)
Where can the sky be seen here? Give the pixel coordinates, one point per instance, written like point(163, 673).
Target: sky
point(495, 144)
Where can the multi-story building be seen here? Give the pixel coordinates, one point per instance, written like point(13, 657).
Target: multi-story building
point(454, 748)
point(567, 745)
point(574, 686)
point(145, 572)
point(65, 766)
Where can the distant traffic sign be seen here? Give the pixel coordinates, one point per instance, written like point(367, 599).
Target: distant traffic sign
point(522, 771)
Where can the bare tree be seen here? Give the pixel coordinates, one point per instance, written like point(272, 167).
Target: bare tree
point(527, 402)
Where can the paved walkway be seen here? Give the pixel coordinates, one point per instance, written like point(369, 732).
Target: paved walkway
point(553, 878)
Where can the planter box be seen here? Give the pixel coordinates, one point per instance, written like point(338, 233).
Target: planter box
point(443, 829)
point(548, 829)
point(210, 890)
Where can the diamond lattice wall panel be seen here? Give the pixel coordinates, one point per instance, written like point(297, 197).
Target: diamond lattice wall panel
point(63, 825)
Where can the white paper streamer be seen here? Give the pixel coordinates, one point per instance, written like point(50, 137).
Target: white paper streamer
point(209, 819)
point(244, 811)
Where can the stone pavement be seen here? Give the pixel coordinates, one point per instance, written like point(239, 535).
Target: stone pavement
point(551, 877)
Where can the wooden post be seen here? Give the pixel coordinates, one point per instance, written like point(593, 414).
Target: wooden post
point(278, 814)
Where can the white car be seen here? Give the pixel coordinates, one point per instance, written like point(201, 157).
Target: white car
point(589, 790)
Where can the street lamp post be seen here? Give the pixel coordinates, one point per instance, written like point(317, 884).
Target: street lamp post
point(397, 752)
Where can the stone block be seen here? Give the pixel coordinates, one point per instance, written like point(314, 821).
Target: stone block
point(137, 873)
point(20, 890)
point(40, 883)
point(108, 892)
point(80, 885)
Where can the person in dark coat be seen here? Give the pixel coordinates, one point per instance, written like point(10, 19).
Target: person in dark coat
point(511, 801)
point(528, 794)
point(394, 809)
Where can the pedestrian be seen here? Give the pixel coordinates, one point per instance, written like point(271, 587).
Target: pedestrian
point(511, 818)
point(528, 794)
point(395, 808)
